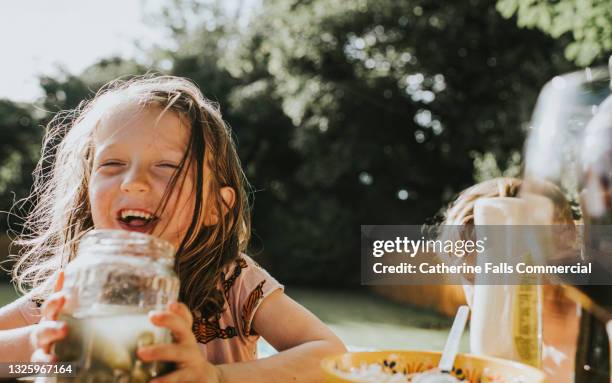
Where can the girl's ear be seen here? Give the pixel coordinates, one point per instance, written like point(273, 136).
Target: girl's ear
point(229, 198)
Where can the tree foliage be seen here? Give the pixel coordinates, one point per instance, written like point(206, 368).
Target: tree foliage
point(587, 22)
point(22, 128)
point(20, 137)
point(349, 112)
point(388, 102)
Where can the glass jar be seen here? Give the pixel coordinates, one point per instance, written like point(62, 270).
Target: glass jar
point(116, 278)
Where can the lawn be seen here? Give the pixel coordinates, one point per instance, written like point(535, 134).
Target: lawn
point(362, 320)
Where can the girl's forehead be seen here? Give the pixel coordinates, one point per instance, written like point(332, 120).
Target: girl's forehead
point(151, 124)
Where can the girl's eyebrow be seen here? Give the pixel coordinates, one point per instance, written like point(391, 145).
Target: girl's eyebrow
point(105, 148)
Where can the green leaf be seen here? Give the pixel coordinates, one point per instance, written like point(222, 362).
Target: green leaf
point(572, 50)
point(545, 20)
point(507, 8)
point(589, 21)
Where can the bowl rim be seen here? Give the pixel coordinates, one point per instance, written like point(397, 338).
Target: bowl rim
point(326, 363)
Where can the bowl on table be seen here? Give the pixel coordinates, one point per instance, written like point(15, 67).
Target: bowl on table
point(392, 366)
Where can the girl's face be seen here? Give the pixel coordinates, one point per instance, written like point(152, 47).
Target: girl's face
point(136, 153)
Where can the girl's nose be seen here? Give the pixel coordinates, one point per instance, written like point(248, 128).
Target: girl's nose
point(135, 182)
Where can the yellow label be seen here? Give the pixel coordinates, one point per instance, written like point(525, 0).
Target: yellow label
point(526, 324)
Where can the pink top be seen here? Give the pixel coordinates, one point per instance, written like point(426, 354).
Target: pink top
point(226, 337)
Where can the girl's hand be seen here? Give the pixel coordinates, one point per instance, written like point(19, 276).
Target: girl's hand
point(49, 330)
point(191, 366)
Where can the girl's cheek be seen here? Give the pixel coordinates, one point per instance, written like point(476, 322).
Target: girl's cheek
point(97, 198)
point(97, 183)
point(100, 200)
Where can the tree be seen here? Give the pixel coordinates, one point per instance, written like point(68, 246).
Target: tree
point(22, 127)
point(64, 91)
point(350, 113)
point(20, 136)
point(253, 110)
point(389, 101)
point(585, 24)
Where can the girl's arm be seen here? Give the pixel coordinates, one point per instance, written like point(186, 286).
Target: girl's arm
point(15, 344)
point(302, 339)
point(11, 317)
point(19, 339)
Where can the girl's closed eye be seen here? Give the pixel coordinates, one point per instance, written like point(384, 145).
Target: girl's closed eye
point(111, 163)
point(169, 165)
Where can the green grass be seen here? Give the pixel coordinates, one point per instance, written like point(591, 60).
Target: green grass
point(361, 320)
point(365, 321)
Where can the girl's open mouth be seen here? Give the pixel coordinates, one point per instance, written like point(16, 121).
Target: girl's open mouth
point(137, 220)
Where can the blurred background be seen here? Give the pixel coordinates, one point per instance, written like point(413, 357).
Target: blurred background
point(345, 113)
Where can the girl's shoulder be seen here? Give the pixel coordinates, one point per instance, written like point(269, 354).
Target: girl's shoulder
point(245, 276)
point(26, 308)
point(245, 285)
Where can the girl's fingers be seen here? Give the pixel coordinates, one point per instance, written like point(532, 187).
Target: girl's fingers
point(178, 326)
point(47, 333)
point(52, 306)
point(182, 310)
point(40, 356)
point(59, 282)
point(181, 375)
point(170, 352)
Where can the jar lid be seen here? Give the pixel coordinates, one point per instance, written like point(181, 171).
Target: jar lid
point(108, 241)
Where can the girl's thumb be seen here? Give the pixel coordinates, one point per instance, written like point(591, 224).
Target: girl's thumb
point(59, 282)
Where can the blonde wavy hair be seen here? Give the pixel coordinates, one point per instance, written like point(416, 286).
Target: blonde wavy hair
point(458, 221)
point(59, 213)
point(461, 211)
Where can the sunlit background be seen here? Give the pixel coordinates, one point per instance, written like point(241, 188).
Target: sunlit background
point(345, 113)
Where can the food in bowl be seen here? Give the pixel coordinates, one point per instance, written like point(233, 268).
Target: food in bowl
point(386, 372)
point(408, 366)
point(374, 373)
